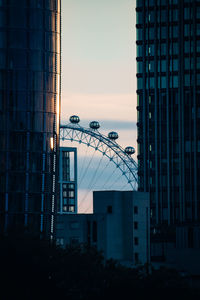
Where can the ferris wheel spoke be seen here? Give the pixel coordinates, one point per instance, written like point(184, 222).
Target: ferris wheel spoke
point(86, 170)
point(112, 184)
point(90, 185)
point(83, 163)
point(102, 172)
point(109, 178)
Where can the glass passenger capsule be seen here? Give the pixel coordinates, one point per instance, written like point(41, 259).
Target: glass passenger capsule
point(129, 150)
point(113, 135)
point(94, 125)
point(74, 119)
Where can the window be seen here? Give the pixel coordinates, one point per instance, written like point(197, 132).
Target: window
point(187, 63)
point(198, 45)
point(139, 3)
point(36, 19)
point(175, 31)
point(36, 40)
point(187, 47)
point(140, 83)
point(71, 208)
point(64, 208)
point(151, 66)
point(187, 29)
point(60, 241)
point(163, 49)
point(175, 81)
point(175, 14)
point(151, 3)
point(135, 210)
point(71, 201)
point(151, 33)
point(139, 66)
point(71, 186)
point(136, 241)
point(187, 146)
point(136, 257)
point(139, 50)
point(198, 29)
point(175, 65)
point(163, 32)
point(163, 15)
point(163, 66)
point(151, 50)
point(135, 225)
point(139, 33)
point(187, 79)
point(71, 194)
point(151, 16)
point(152, 85)
point(109, 209)
point(186, 13)
point(173, 48)
point(163, 82)
point(139, 17)
point(198, 79)
point(198, 12)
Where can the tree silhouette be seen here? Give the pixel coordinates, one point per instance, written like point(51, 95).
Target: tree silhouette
point(32, 268)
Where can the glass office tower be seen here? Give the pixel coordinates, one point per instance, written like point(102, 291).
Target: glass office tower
point(168, 91)
point(29, 113)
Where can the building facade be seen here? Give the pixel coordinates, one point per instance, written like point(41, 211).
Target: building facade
point(67, 201)
point(119, 227)
point(29, 113)
point(168, 91)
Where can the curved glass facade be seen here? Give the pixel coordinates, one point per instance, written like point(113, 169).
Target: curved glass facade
point(29, 113)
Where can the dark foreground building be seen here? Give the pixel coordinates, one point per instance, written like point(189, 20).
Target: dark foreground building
point(168, 76)
point(29, 113)
point(118, 227)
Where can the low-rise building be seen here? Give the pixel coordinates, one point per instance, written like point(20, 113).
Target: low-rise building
point(119, 226)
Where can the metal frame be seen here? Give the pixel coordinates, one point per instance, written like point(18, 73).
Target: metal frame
point(109, 148)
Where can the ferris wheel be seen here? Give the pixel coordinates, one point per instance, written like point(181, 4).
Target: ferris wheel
point(107, 146)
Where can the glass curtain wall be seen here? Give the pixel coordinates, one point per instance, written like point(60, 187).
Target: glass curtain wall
point(29, 113)
point(168, 76)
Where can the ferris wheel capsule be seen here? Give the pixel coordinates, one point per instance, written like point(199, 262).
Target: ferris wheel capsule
point(113, 135)
point(130, 150)
point(74, 119)
point(94, 125)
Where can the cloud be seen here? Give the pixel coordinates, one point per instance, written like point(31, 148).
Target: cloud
point(113, 125)
point(121, 107)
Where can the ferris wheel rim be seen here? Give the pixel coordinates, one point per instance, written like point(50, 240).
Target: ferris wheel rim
point(126, 160)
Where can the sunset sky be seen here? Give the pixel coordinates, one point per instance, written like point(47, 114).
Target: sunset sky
point(98, 65)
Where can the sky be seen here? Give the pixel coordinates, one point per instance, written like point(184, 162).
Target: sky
point(99, 65)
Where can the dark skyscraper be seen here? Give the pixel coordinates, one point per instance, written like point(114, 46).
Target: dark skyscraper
point(29, 113)
point(168, 90)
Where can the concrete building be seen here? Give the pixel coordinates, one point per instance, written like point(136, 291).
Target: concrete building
point(119, 226)
point(30, 71)
point(168, 89)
